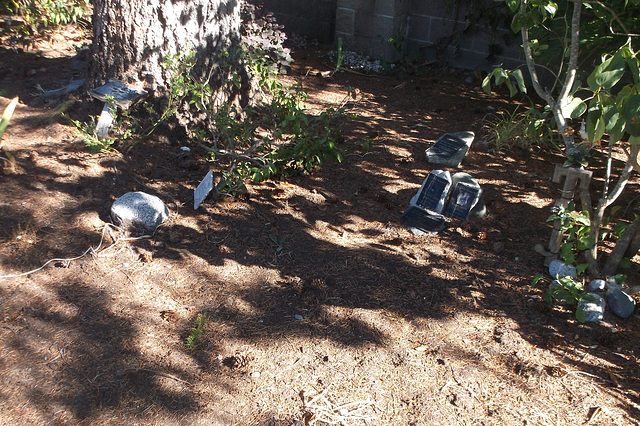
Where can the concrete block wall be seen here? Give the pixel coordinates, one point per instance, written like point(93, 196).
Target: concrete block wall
point(431, 23)
point(365, 26)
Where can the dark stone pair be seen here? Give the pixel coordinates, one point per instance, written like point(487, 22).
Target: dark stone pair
point(442, 196)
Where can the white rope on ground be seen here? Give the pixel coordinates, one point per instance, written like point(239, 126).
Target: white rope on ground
point(91, 250)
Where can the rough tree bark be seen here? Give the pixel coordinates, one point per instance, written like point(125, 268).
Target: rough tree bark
point(131, 37)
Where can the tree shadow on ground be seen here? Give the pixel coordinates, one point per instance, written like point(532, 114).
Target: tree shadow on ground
point(313, 256)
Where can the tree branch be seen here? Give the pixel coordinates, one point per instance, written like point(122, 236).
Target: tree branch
point(575, 50)
point(617, 19)
point(624, 177)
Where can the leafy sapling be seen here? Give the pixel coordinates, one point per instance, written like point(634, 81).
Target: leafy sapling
point(196, 331)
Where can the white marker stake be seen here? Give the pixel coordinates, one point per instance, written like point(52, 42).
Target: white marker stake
point(105, 122)
point(203, 190)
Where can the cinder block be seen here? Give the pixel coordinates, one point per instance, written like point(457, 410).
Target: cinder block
point(435, 8)
point(376, 27)
point(355, 4)
point(441, 28)
point(419, 28)
point(345, 20)
point(384, 7)
point(326, 10)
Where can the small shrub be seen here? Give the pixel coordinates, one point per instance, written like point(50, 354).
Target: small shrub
point(576, 228)
point(196, 331)
point(565, 289)
point(523, 130)
point(39, 15)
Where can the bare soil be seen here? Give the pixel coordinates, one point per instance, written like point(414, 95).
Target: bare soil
point(321, 308)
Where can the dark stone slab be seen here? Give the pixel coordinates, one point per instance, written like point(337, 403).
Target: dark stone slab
point(463, 199)
point(480, 208)
point(450, 149)
point(434, 191)
point(422, 222)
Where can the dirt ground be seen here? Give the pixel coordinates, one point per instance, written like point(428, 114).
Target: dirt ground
point(321, 308)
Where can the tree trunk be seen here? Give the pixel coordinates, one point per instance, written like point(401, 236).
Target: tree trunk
point(131, 38)
point(621, 247)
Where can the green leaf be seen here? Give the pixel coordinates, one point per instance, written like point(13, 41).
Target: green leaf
point(581, 315)
point(518, 77)
point(585, 243)
point(536, 279)
point(583, 219)
point(608, 73)
point(551, 8)
point(613, 123)
point(581, 268)
point(566, 253)
point(595, 127)
point(634, 67)
point(562, 294)
point(573, 108)
point(519, 21)
point(512, 89)
point(513, 5)
point(6, 116)
point(632, 115)
point(486, 84)
point(620, 278)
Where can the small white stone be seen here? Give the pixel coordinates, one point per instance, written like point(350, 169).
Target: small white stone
point(185, 148)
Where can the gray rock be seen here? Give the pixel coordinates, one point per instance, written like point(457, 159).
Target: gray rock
point(554, 284)
point(557, 269)
point(139, 211)
point(612, 284)
point(594, 310)
point(620, 303)
point(596, 285)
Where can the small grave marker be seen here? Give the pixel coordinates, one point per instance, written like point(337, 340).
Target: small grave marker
point(433, 192)
point(203, 189)
point(421, 222)
point(450, 149)
point(123, 96)
point(464, 197)
point(71, 87)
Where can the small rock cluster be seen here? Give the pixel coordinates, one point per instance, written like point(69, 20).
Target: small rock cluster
point(619, 302)
point(357, 62)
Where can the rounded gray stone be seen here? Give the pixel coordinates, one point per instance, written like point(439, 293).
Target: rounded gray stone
point(139, 210)
point(596, 285)
point(557, 269)
point(594, 310)
point(620, 303)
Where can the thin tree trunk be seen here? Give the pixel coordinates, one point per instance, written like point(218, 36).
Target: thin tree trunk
point(618, 252)
point(556, 104)
point(604, 202)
